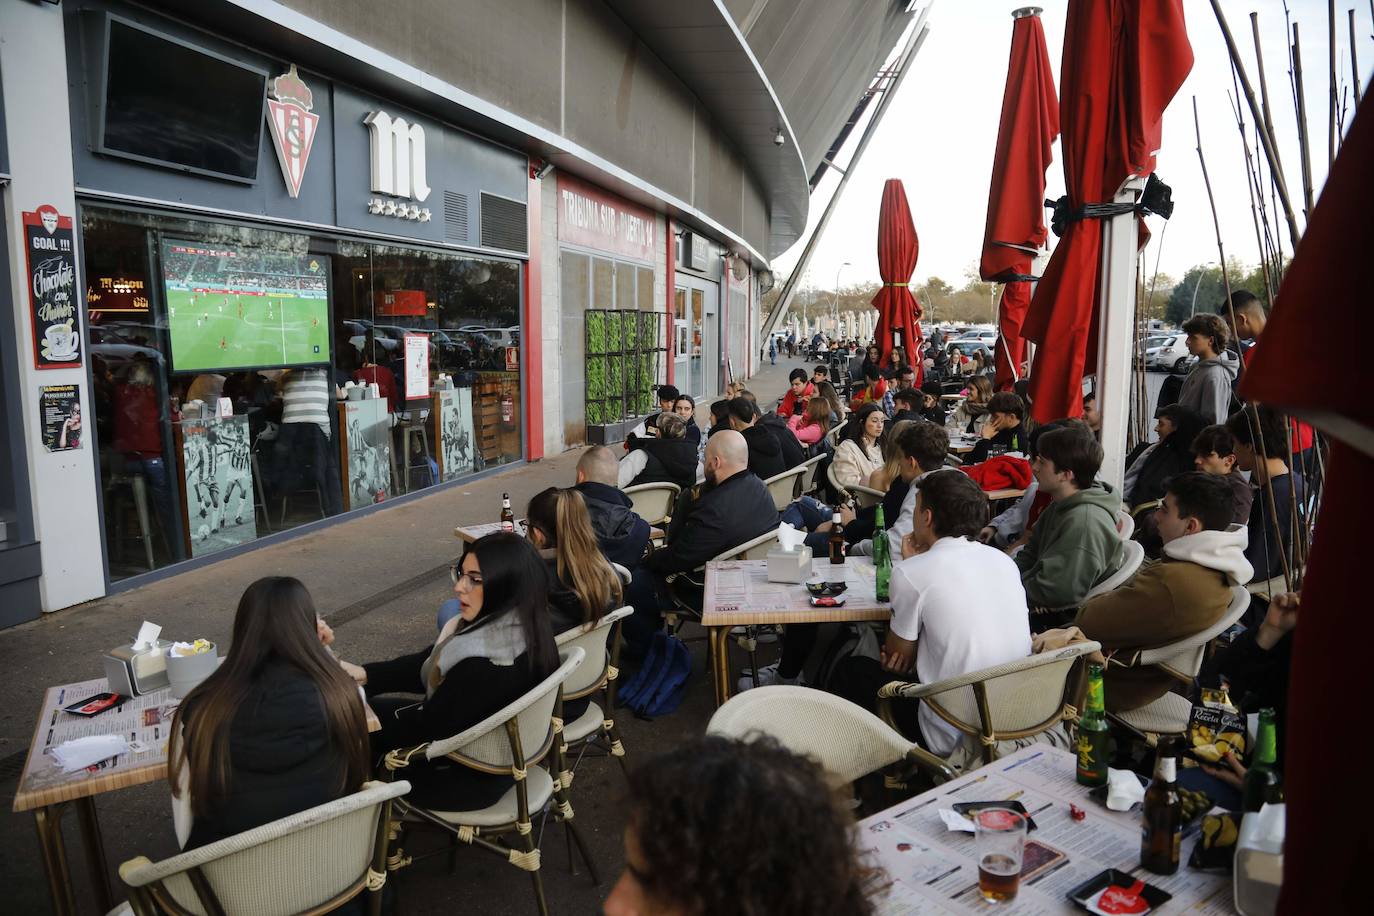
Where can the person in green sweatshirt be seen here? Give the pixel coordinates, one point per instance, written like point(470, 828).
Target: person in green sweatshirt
point(1182, 594)
point(1074, 544)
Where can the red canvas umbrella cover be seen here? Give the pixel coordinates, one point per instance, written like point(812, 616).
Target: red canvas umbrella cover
point(898, 248)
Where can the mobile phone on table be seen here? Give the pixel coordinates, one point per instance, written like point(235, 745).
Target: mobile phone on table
point(94, 706)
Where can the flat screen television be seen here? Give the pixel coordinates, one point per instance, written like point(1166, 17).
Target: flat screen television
point(171, 104)
point(231, 308)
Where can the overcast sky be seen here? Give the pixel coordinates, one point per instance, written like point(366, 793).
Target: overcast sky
point(939, 133)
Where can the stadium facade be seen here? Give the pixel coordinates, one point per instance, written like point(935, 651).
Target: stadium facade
point(514, 218)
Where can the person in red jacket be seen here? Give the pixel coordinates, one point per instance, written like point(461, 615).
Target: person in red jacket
point(798, 394)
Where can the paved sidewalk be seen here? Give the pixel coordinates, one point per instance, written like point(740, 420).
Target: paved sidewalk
point(379, 579)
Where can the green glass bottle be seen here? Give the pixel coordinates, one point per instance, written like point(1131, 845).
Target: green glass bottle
point(1262, 778)
point(1093, 733)
point(882, 558)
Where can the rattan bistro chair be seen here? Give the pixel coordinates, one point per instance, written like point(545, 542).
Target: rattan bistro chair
point(1015, 700)
point(1168, 715)
point(653, 502)
point(498, 745)
point(597, 675)
point(314, 861)
point(807, 483)
point(783, 487)
point(847, 740)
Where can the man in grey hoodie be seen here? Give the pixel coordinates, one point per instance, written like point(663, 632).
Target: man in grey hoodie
point(1207, 389)
point(1186, 592)
point(1074, 543)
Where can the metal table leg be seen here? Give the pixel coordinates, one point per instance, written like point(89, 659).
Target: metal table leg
point(95, 852)
point(719, 642)
point(48, 820)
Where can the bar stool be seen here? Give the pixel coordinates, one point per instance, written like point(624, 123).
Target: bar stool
point(260, 495)
point(138, 488)
point(415, 425)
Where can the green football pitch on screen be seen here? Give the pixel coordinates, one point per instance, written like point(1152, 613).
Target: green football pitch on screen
point(227, 331)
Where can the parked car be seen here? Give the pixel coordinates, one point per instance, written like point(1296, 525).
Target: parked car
point(970, 345)
point(357, 330)
point(1170, 354)
point(1150, 343)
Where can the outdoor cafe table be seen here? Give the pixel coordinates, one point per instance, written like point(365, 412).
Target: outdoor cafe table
point(928, 868)
point(472, 533)
point(47, 791)
point(738, 593)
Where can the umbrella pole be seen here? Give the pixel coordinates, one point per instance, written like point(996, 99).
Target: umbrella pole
point(1116, 316)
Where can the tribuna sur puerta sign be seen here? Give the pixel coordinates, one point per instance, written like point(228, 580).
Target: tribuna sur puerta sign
point(589, 216)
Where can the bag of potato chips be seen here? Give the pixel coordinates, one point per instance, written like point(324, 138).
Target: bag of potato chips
point(1214, 730)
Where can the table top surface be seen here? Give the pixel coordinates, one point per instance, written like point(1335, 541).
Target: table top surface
point(927, 868)
point(144, 721)
point(738, 592)
point(471, 533)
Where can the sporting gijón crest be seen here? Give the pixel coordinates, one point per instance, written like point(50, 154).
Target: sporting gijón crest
point(292, 125)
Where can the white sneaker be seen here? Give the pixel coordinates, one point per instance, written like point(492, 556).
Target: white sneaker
point(767, 676)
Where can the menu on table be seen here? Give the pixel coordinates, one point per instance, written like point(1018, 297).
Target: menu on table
point(924, 867)
point(145, 722)
point(742, 585)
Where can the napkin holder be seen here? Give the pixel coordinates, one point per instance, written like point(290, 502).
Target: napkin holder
point(134, 672)
point(1258, 868)
point(789, 565)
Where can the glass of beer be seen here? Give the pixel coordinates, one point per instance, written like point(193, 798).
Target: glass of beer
point(1000, 834)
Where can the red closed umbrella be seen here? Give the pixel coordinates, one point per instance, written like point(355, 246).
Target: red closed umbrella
point(897, 308)
point(1016, 215)
point(1323, 870)
point(1123, 61)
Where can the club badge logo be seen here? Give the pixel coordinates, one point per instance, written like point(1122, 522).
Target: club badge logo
point(293, 126)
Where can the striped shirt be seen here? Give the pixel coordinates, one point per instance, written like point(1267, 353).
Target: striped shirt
point(306, 398)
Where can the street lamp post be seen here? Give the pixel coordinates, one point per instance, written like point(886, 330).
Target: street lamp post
point(835, 307)
point(1192, 309)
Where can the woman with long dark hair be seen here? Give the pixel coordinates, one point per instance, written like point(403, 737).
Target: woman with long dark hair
point(583, 584)
point(499, 647)
point(860, 452)
point(277, 729)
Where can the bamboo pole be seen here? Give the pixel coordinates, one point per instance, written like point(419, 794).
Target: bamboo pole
point(1354, 58)
point(1252, 184)
point(1257, 435)
point(1304, 149)
point(1332, 103)
point(1266, 136)
point(1259, 72)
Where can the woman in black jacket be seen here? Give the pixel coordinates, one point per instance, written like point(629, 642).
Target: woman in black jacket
point(276, 729)
point(671, 456)
point(498, 649)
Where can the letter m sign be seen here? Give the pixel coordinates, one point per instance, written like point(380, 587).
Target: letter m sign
point(398, 156)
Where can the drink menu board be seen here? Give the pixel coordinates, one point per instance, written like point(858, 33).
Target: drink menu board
point(924, 867)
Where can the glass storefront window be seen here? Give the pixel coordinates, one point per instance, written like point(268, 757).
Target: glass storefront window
point(232, 369)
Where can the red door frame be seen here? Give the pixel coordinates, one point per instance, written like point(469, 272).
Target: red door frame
point(534, 324)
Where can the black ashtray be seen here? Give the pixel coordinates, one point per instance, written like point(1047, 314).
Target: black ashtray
point(1090, 890)
point(969, 809)
point(820, 589)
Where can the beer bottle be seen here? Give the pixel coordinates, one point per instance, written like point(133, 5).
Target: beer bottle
point(1262, 779)
point(507, 516)
point(836, 539)
point(882, 558)
point(1162, 813)
point(1093, 734)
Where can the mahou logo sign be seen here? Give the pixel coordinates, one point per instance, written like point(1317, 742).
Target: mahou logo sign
point(292, 125)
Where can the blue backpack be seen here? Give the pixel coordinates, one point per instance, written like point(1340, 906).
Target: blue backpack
point(658, 688)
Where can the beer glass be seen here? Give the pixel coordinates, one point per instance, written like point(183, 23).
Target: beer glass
point(1000, 835)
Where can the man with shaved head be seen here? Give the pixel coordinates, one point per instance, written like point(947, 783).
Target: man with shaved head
point(621, 533)
point(733, 507)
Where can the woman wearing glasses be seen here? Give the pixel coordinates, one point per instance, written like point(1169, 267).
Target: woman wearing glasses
point(498, 648)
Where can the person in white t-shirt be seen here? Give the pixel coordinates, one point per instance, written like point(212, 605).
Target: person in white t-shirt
point(957, 606)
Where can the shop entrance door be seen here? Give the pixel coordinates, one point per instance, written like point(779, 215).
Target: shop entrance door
point(696, 335)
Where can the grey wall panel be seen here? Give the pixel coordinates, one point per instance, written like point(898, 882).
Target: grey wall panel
point(623, 103)
point(753, 213)
point(506, 51)
point(726, 182)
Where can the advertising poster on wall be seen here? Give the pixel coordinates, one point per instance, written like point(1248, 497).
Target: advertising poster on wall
point(52, 289)
point(417, 366)
point(59, 412)
point(366, 452)
point(457, 445)
point(218, 483)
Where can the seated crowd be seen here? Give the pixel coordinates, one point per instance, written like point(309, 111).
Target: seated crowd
point(280, 726)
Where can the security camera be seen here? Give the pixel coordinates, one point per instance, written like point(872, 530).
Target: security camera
point(778, 138)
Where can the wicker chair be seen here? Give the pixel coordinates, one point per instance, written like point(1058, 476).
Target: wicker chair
point(847, 740)
point(1168, 715)
point(597, 675)
point(808, 478)
point(314, 861)
point(653, 502)
point(497, 745)
point(1006, 702)
point(783, 487)
point(1125, 524)
point(1134, 556)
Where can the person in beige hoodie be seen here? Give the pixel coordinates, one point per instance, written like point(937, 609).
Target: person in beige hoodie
point(1184, 593)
